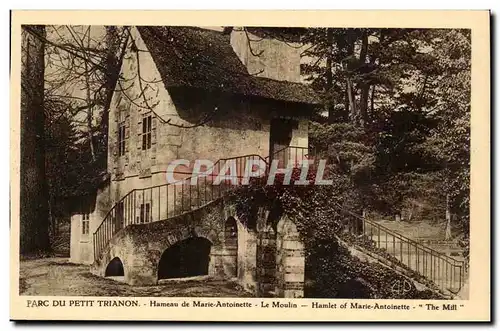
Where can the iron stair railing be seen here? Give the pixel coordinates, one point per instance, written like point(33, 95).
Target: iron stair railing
point(161, 202)
point(165, 201)
point(446, 273)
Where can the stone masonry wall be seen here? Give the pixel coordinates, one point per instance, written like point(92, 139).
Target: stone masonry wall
point(277, 60)
point(290, 260)
point(239, 126)
point(264, 262)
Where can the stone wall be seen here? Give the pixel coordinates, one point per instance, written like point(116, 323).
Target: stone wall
point(239, 126)
point(277, 60)
point(290, 260)
point(140, 247)
point(265, 262)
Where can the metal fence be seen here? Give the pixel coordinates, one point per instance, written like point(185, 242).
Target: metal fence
point(290, 156)
point(445, 272)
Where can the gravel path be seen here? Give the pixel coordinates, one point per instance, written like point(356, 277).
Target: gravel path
point(56, 276)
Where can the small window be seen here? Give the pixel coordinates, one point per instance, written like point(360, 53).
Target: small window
point(85, 224)
point(146, 132)
point(145, 213)
point(121, 139)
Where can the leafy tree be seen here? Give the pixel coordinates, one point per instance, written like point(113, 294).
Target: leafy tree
point(60, 146)
point(405, 94)
point(449, 141)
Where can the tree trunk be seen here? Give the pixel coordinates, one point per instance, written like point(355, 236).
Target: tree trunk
point(52, 228)
point(89, 111)
point(372, 101)
point(353, 113)
point(329, 76)
point(447, 231)
point(365, 87)
point(347, 104)
point(34, 214)
point(352, 101)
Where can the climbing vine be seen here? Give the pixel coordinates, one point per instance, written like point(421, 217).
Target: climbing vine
point(319, 212)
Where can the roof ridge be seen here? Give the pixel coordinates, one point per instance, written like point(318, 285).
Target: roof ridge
point(204, 58)
point(280, 81)
point(178, 26)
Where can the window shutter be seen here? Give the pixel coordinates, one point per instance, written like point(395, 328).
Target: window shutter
point(139, 133)
point(154, 131)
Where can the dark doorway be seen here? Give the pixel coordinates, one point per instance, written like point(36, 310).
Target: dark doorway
point(280, 138)
point(186, 258)
point(115, 268)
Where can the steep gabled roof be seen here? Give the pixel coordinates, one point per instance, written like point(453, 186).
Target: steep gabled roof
point(201, 58)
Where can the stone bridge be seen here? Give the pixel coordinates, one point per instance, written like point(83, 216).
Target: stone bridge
point(266, 256)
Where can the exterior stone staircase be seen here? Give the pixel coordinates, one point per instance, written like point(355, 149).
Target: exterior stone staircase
point(425, 265)
point(432, 268)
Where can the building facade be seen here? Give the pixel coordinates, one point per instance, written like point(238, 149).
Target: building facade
point(191, 93)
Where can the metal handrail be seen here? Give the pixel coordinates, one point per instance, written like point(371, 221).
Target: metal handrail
point(173, 183)
point(108, 227)
point(392, 232)
point(436, 267)
point(267, 158)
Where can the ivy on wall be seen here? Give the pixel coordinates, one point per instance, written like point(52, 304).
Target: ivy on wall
point(319, 212)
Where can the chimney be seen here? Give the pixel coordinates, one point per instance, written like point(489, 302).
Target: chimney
point(265, 56)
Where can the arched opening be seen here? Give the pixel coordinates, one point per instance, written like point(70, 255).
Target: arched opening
point(231, 247)
point(187, 258)
point(114, 268)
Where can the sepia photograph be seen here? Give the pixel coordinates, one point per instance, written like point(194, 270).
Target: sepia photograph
point(281, 162)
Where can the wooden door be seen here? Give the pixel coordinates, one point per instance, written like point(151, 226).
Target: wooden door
point(280, 138)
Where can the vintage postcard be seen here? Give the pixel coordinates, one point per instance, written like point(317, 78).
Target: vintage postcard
point(250, 166)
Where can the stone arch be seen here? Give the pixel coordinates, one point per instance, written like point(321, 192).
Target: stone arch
point(115, 268)
point(290, 260)
point(186, 258)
